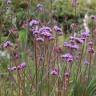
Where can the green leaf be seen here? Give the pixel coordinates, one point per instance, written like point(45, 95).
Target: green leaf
point(23, 36)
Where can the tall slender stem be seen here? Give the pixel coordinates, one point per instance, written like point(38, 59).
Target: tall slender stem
point(36, 67)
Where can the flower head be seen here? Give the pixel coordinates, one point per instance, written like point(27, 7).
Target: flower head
point(33, 22)
point(7, 44)
point(79, 40)
point(75, 47)
point(91, 50)
point(11, 69)
point(90, 44)
point(67, 57)
point(51, 38)
point(35, 32)
point(21, 66)
point(93, 17)
point(58, 30)
point(46, 34)
point(39, 39)
point(45, 29)
point(55, 72)
point(85, 34)
point(86, 62)
point(71, 46)
point(67, 74)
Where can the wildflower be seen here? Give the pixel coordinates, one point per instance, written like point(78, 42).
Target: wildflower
point(48, 29)
point(67, 57)
point(86, 62)
point(39, 39)
point(21, 66)
point(51, 38)
point(67, 74)
point(79, 40)
point(7, 44)
point(72, 38)
point(90, 44)
point(55, 72)
point(33, 22)
point(75, 47)
point(93, 17)
point(91, 50)
point(83, 39)
point(46, 34)
point(66, 44)
point(71, 46)
point(12, 69)
point(66, 79)
point(58, 30)
point(44, 29)
point(35, 32)
point(85, 34)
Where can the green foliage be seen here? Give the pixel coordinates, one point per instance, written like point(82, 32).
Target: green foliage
point(83, 89)
point(23, 36)
point(64, 7)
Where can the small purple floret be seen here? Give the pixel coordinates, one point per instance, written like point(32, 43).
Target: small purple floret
point(7, 44)
point(39, 39)
point(33, 22)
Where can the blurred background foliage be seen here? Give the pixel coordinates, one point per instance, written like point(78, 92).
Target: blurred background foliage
point(17, 12)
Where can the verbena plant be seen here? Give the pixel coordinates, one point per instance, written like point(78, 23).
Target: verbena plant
point(33, 62)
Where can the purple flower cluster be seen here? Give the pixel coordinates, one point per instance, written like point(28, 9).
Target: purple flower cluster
point(42, 34)
point(12, 69)
point(7, 44)
point(19, 67)
point(39, 39)
point(67, 57)
point(44, 29)
point(85, 34)
point(90, 47)
point(55, 72)
point(91, 50)
point(86, 62)
point(71, 46)
point(93, 17)
point(58, 30)
point(34, 22)
point(75, 43)
point(66, 79)
point(78, 40)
